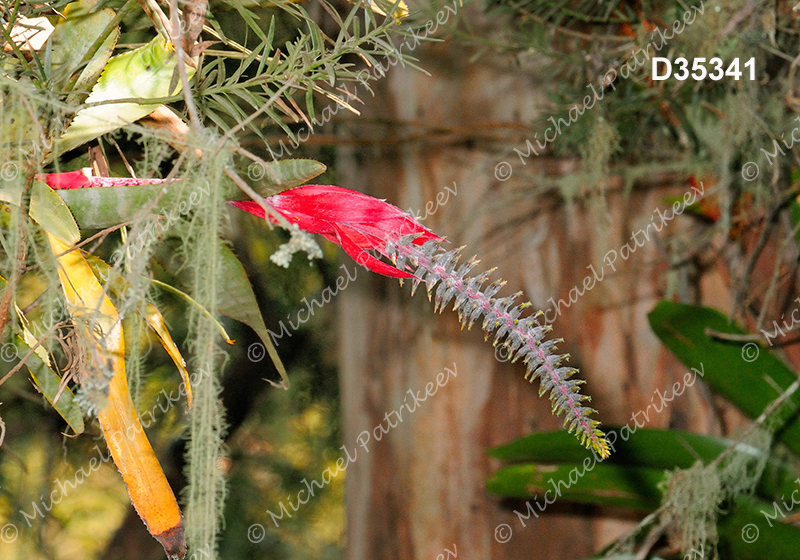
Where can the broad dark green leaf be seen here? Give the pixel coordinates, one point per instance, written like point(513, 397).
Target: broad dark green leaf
point(656, 449)
point(743, 520)
point(781, 540)
point(637, 487)
point(586, 483)
point(645, 447)
point(746, 374)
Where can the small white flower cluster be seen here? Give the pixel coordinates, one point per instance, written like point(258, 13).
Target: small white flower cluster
point(300, 241)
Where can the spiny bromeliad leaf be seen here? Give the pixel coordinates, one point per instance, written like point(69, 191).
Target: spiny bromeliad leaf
point(70, 42)
point(64, 51)
point(142, 74)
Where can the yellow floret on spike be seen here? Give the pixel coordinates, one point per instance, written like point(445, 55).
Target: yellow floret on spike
point(600, 445)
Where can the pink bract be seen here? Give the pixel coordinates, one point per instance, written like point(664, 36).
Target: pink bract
point(353, 220)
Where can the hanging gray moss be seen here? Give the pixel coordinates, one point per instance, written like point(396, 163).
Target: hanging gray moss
point(205, 495)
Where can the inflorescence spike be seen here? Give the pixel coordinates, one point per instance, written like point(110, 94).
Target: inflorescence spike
point(523, 337)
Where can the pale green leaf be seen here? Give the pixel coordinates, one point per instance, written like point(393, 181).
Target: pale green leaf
point(49, 211)
point(70, 43)
point(144, 73)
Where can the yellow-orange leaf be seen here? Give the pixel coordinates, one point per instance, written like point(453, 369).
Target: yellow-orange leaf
point(151, 314)
point(148, 488)
point(156, 321)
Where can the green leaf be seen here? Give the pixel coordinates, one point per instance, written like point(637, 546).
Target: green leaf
point(189, 299)
point(310, 103)
point(630, 477)
point(238, 302)
point(103, 207)
point(250, 18)
point(48, 383)
point(285, 174)
point(49, 211)
point(751, 384)
point(601, 484)
point(71, 40)
point(646, 447)
point(636, 487)
point(780, 540)
point(651, 448)
point(143, 73)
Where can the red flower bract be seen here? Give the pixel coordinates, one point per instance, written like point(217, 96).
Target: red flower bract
point(83, 178)
point(351, 219)
point(67, 180)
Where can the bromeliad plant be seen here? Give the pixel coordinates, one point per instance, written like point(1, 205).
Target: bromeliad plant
point(359, 223)
point(49, 214)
